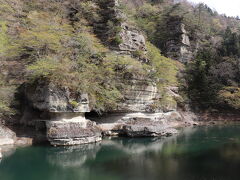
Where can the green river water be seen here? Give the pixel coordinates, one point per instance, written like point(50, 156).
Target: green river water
point(201, 153)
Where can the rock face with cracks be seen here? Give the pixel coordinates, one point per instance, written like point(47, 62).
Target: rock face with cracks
point(178, 44)
point(72, 133)
point(143, 124)
point(61, 114)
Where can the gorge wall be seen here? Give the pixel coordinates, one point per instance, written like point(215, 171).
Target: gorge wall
point(178, 44)
point(59, 111)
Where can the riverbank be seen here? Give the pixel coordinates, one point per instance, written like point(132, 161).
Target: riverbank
point(131, 125)
point(201, 152)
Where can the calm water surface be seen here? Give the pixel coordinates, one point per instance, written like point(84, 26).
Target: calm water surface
point(206, 153)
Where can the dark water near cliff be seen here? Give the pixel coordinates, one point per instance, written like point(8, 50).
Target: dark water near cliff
point(206, 153)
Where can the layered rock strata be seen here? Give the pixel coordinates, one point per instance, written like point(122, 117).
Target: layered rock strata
point(178, 45)
point(60, 113)
point(142, 124)
point(125, 39)
point(72, 131)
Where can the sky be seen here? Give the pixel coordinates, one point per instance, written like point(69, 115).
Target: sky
point(228, 7)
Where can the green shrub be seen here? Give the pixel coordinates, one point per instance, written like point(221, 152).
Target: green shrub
point(230, 96)
point(117, 40)
point(6, 100)
point(74, 103)
point(165, 69)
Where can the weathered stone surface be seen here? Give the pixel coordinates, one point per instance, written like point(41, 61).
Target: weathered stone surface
point(59, 112)
point(144, 127)
point(132, 39)
point(178, 44)
point(141, 124)
point(50, 98)
point(7, 136)
point(72, 132)
point(140, 96)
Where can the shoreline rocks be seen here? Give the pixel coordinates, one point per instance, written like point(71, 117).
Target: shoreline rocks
point(65, 133)
point(7, 136)
point(143, 124)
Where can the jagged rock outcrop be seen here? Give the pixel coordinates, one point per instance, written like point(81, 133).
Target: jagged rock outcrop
point(178, 45)
point(141, 93)
point(51, 98)
point(122, 37)
point(132, 39)
point(43, 100)
point(60, 113)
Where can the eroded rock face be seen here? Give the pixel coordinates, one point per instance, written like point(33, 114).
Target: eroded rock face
point(178, 45)
point(144, 127)
point(48, 97)
point(72, 132)
point(60, 113)
point(142, 124)
point(140, 96)
point(7, 136)
point(132, 39)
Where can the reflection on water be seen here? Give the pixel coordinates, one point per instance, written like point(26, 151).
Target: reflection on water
point(197, 153)
point(72, 156)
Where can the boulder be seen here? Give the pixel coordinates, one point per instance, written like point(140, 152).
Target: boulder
point(72, 132)
point(7, 136)
point(142, 124)
point(141, 127)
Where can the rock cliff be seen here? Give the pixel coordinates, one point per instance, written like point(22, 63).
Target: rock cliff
point(114, 29)
point(60, 113)
point(178, 44)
